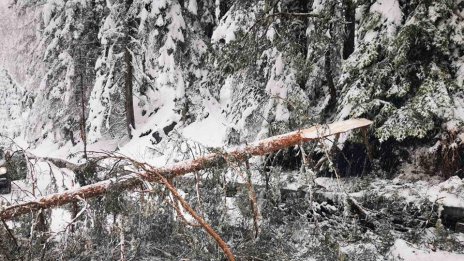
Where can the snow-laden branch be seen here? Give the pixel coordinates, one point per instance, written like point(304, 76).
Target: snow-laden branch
point(241, 153)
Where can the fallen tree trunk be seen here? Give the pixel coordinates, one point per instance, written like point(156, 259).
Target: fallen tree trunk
point(241, 153)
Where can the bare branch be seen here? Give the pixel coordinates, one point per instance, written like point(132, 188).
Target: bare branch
point(207, 227)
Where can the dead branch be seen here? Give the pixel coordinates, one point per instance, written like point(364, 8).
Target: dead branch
point(223, 245)
point(293, 15)
point(237, 154)
point(10, 234)
point(175, 206)
point(363, 213)
point(61, 163)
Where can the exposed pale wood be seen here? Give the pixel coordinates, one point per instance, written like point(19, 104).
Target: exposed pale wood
point(262, 147)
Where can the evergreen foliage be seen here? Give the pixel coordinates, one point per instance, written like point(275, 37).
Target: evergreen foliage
point(150, 71)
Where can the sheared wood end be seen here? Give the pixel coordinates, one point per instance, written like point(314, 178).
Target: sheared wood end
point(324, 130)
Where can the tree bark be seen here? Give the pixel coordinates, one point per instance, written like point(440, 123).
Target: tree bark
point(350, 21)
point(83, 101)
point(129, 72)
point(241, 153)
point(207, 227)
point(329, 79)
point(128, 86)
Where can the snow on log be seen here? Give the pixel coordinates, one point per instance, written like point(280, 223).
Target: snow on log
point(241, 153)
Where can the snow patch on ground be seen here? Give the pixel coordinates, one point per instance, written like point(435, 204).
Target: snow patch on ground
point(403, 250)
point(210, 131)
point(449, 193)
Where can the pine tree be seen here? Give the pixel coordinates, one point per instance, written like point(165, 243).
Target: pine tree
point(68, 29)
point(111, 101)
point(11, 99)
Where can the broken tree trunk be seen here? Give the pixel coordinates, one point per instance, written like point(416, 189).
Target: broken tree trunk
point(241, 153)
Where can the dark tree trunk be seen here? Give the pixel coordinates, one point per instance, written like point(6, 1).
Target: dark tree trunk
point(328, 62)
point(329, 78)
point(223, 8)
point(83, 101)
point(350, 15)
point(128, 85)
point(129, 74)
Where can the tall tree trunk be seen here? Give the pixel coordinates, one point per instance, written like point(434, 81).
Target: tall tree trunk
point(129, 72)
point(128, 86)
point(350, 16)
point(83, 101)
point(329, 78)
point(328, 58)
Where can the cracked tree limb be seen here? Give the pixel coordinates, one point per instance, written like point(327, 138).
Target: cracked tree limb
point(132, 180)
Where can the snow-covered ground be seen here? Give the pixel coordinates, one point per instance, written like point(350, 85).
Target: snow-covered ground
point(405, 251)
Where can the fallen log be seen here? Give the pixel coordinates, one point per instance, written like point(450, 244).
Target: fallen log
point(241, 153)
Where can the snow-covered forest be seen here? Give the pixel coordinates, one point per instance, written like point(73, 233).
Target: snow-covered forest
point(149, 130)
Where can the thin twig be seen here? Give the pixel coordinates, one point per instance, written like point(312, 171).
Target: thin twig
point(11, 234)
point(175, 206)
